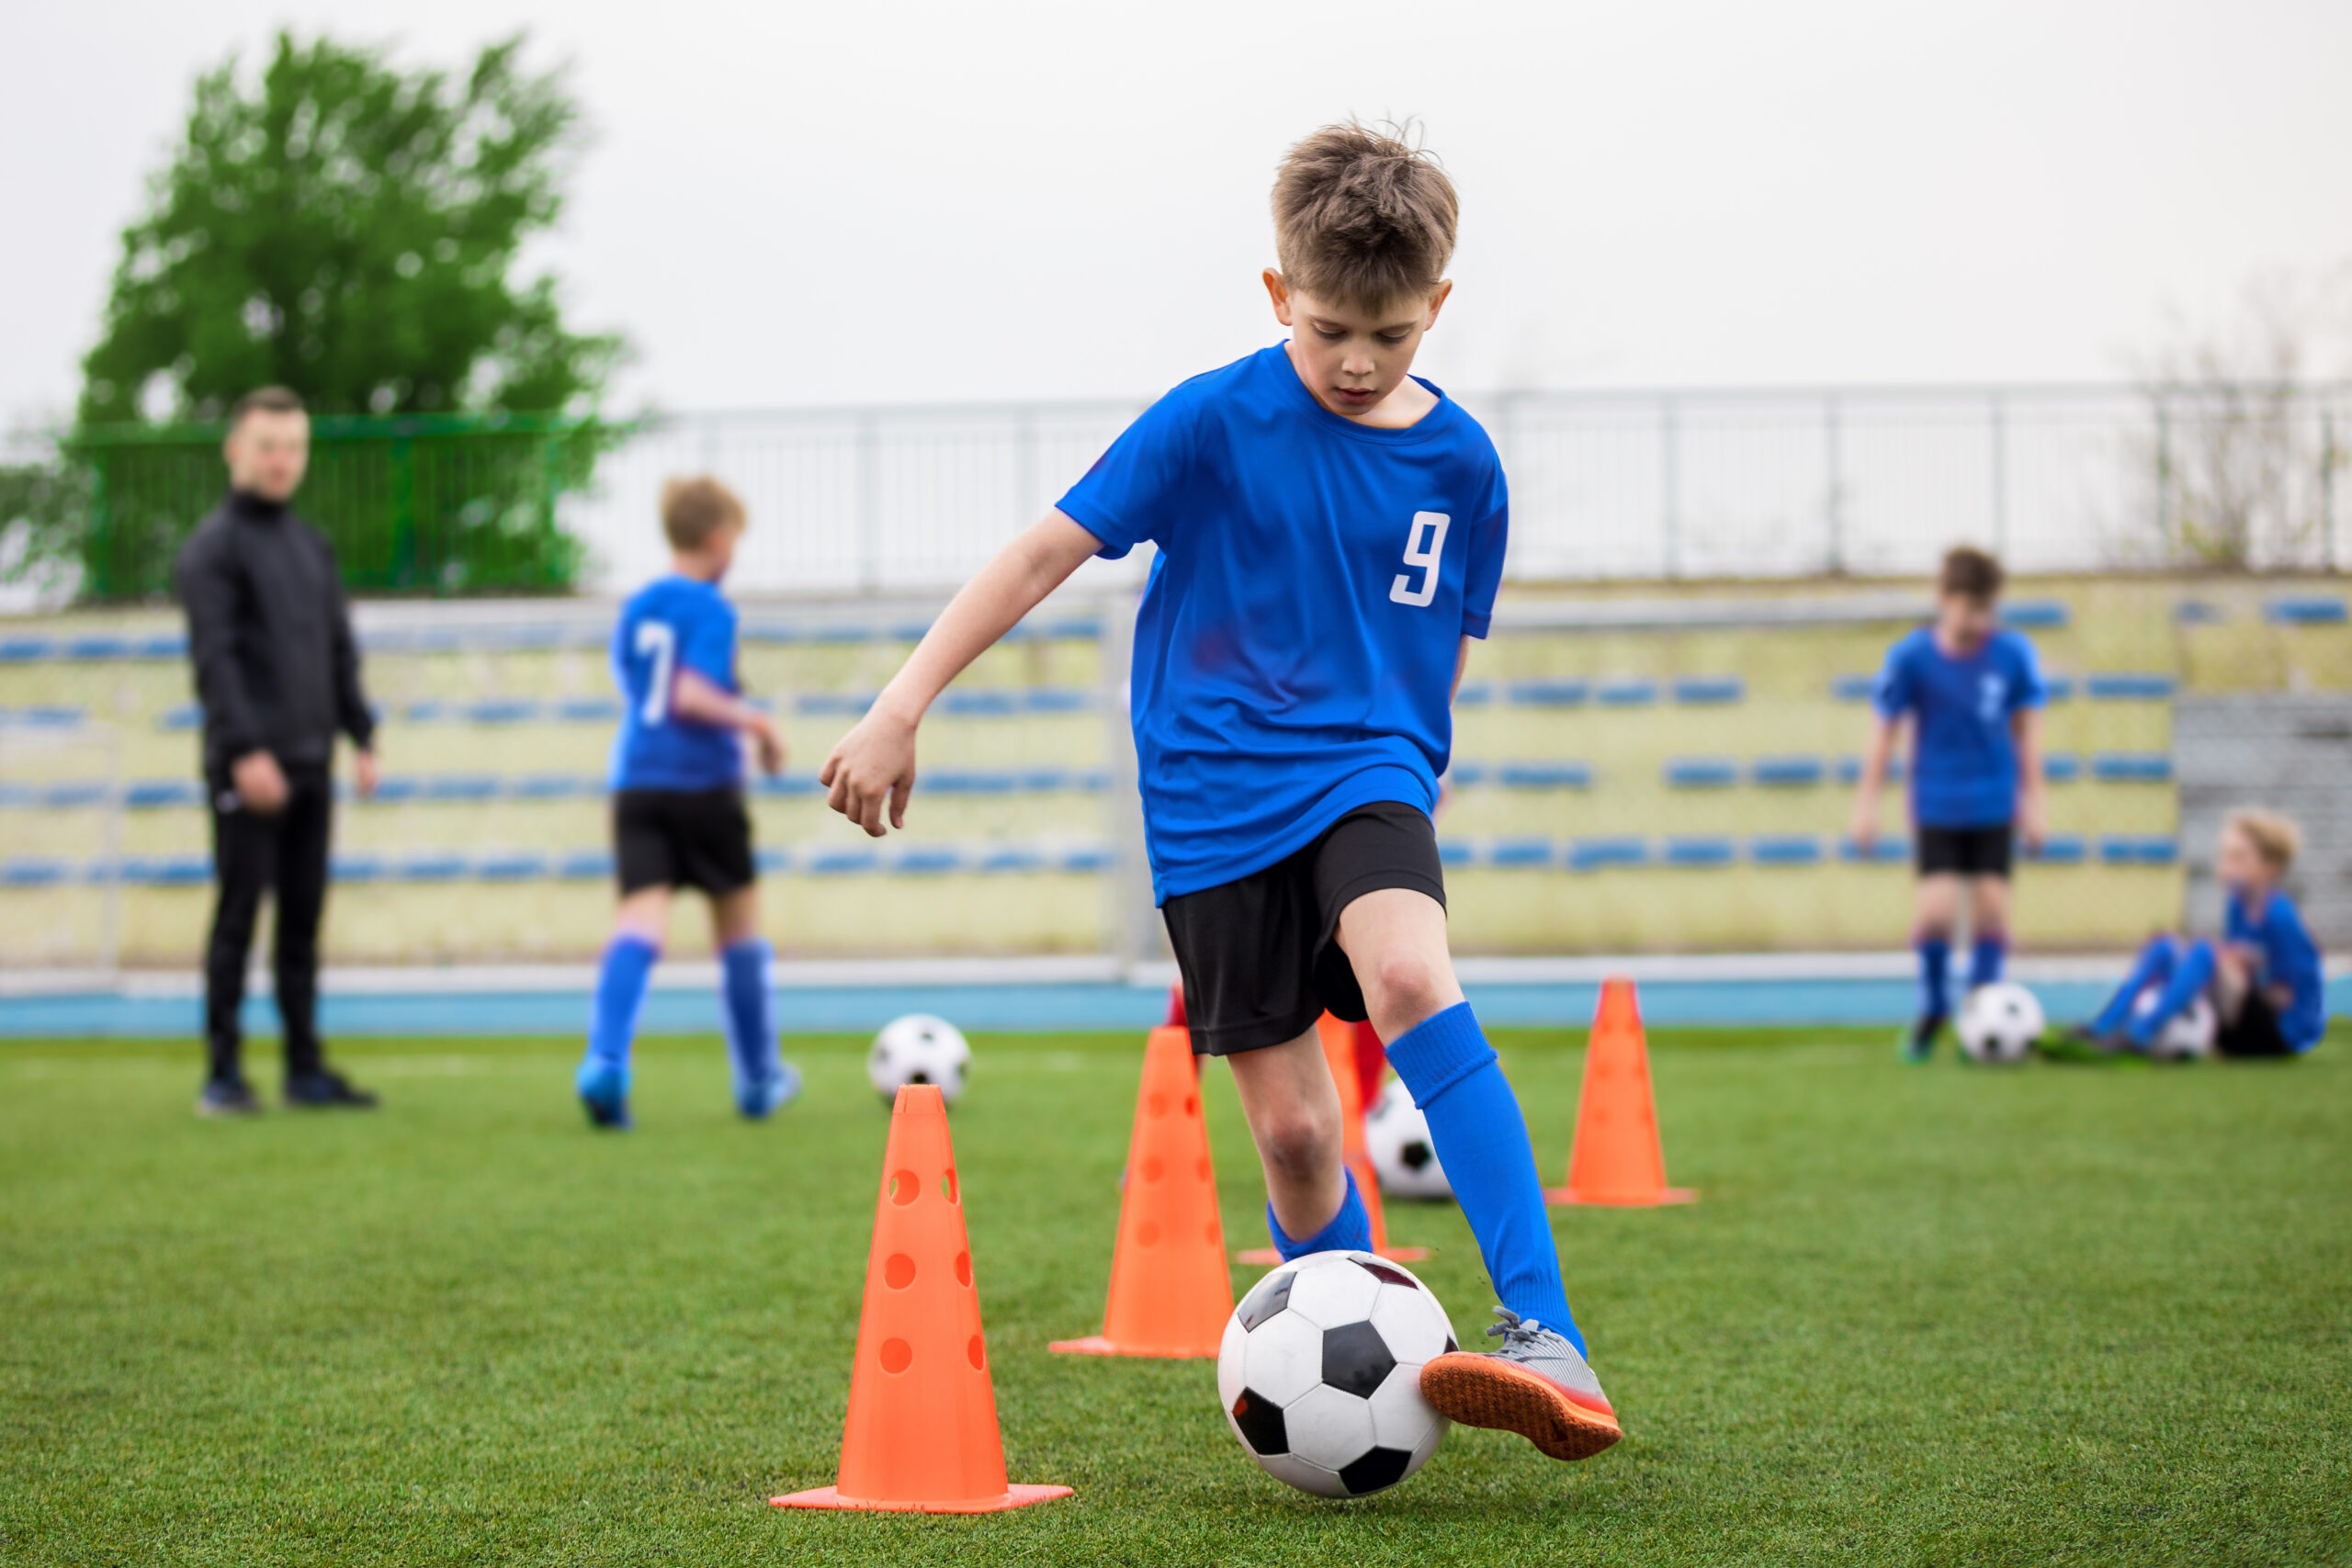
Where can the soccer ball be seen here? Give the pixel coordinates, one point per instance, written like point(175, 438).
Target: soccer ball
point(2188, 1036)
point(918, 1048)
point(1396, 1136)
point(1999, 1023)
point(1320, 1374)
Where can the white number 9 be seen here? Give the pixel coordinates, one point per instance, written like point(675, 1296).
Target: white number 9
point(1426, 555)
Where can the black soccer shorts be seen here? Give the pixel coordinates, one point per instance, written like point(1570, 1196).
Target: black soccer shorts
point(1965, 851)
point(1260, 955)
point(673, 837)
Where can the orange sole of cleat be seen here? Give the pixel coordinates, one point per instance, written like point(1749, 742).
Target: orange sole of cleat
point(1483, 1391)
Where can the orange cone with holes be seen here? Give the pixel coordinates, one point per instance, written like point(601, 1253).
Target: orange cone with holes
point(1617, 1158)
point(922, 1435)
point(1171, 1291)
point(1340, 1049)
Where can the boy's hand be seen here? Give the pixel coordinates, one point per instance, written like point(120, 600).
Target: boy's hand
point(771, 746)
point(2033, 820)
point(872, 769)
point(1864, 828)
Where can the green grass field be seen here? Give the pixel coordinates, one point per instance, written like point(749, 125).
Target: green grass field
point(1942, 1316)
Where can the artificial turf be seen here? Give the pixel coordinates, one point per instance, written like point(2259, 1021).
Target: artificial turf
point(1932, 1315)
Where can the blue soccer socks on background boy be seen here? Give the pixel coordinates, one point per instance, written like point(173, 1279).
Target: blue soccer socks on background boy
point(621, 980)
point(1350, 1230)
point(2192, 971)
point(1985, 957)
point(1482, 1142)
point(762, 1081)
point(1935, 976)
point(2152, 967)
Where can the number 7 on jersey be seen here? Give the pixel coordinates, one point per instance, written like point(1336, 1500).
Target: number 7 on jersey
point(1428, 556)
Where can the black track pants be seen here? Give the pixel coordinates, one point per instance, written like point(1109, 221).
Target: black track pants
point(285, 855)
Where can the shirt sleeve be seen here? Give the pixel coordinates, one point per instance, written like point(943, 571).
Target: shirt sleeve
point(708, 644)
point(208, 587)
point(1489, 539)
point(1896, 692)
point(2029, 690)
point(1133, 492)
point(351, 709)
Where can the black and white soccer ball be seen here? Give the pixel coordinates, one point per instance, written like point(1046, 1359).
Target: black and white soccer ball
point(1320, 1374)
point(919, 1048)
point(2187, 1035)
point(1396, 1136)
point(1999, 1023)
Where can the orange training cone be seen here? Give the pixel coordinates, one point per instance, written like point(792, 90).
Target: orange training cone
point(1616, 1158)
point(1340, 1049)
point(1170, 1292)
point(922, 1435)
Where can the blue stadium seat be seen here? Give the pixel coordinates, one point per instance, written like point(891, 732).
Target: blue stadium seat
point(101, 646)
point(31, 872)
point(2125, 687)
point(1474, 694)
point(849, 704)
point(75, 794)
point(927, 860)
point(771, 860)
point(843, 862)
point(1708, 690)
point(2138, 849)
point(168, 871)
point(45, 715)
point(2058, 688)
point(1784, 849)
point(2133, 767)
point(1056, 699)
point(1519, 853)
point(461, 786)
point(841, 634)
point(511, 867)
point(1701, 772)
point(1849, 770)
point(1853, 688)
point(587, 865)
point(980, 704)
point(2197, 613)
point(394, 788)
point(503, 711)
point(1465, 776)
point(1786, 772)
point(2043, 614)
point(1626, 694)
point(429, 865)
point(2061, 849)
point(553, 786)
point(432, 711)
point(1454, 853)
point(1886, 848)
point(1701, 851)
point(1560, 774)
point(1592, 854)
point(156, 794)
point(787, 785)
point(24, 649)
point(356, 868)
point(1548, 693)
point(1011, 859)
point(970, 780)
point(1087, 861)
point(2305, 612)
point(589, 710)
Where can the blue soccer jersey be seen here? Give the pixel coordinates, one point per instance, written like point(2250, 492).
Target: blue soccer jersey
point(669, 626)
point(1963, 753)
point(2289, 958)
point(1294, 651)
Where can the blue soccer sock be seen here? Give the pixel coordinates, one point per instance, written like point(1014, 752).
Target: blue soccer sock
point(2151, 967)
point(751, 1037)
point(1350, 1230)
point(621, 979)
point(1935, 979)
point(1481, 1140)
point(1985, 957)
point(2191, 973)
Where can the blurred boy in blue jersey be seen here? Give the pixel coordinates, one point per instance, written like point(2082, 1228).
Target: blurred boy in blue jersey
point(678, 816)
point(1330, 533)
point(2264, 977)
point(1973, 692)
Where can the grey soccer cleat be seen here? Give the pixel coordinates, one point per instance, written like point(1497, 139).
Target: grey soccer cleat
point(1537, 1385)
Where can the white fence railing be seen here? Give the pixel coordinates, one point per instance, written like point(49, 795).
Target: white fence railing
point(1610, 485)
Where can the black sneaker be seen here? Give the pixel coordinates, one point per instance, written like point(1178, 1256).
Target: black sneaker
point(324, 1091)
point(227, 1097)
point(1916, 1044)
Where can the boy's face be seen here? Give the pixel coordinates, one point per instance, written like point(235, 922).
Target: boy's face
point(1963, 624)
point(267, 452)
point(2238, 863)
point(719, 549)
point(1351, 357)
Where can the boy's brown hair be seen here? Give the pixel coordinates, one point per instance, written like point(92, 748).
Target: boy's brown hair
point(2273, 837)
point(694, 509)
point(1363, 219)
point(1971, 574)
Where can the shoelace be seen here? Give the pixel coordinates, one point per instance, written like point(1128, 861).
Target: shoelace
point(1512, 1329)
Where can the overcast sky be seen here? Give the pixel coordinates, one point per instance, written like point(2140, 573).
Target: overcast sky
point(921, 202)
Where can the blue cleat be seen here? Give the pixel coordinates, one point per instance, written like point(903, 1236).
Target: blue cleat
point(604, 1091)
point(762, 1099)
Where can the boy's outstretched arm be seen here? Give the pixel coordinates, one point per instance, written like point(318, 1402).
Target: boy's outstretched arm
point(701, 701)
point(1875, 757)
point(2033, 811)
point(872, 767)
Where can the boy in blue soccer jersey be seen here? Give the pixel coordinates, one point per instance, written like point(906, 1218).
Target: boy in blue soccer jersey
point(678, 816)
point(1973, 694)
point(1329, 534)
point(2264, 977)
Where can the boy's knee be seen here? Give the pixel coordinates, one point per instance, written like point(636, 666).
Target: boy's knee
point(1300, 1142)
point(1406, 985)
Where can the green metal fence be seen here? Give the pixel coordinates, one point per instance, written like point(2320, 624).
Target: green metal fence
point(423, 504)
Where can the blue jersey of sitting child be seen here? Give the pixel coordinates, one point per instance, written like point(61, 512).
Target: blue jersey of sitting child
point(2290, 959)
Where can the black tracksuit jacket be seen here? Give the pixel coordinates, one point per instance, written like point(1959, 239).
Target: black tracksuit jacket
point(276, 667)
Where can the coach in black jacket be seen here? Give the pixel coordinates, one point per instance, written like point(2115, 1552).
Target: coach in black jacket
point(278, 672)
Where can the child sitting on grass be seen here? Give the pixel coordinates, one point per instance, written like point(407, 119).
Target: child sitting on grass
point(2263, 978)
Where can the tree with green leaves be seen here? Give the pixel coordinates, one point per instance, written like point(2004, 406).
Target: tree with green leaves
point(351, 230)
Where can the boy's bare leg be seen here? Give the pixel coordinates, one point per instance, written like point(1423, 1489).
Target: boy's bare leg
point(644, 914)
point(2232, 982)
point(1395, 940)
point(735, 917)
point(1294, 1111)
